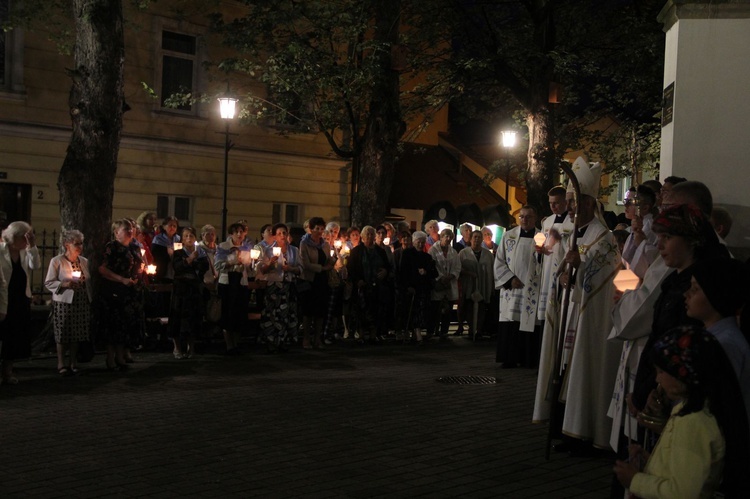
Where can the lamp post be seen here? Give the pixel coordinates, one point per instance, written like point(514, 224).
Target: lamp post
point(508, 141)
point(226, 108)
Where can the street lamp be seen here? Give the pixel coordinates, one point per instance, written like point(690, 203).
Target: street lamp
point(508, 141)
point(226, 109)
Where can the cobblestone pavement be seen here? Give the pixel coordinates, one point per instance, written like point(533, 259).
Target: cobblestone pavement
point(349, 421)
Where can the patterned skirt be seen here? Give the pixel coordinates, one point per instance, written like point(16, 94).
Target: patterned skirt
point(279, 317)
point(72, 320)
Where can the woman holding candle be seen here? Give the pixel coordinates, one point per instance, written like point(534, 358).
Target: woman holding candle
point(335, 283)
point(186, 311)
point(233, 286)
point(280, 265)
point(18, 255)
point(162, 248)
point(445, 289)
point(69, 281)
point(316, 262)
point(121, 310)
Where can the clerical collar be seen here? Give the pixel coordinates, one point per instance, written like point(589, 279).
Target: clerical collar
point(527, 233)
point(560, 218)
point(582, 230)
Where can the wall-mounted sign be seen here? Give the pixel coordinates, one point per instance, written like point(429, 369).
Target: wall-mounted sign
point(667, 105)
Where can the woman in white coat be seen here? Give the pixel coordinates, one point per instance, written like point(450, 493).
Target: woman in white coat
point(69, 281)
point(18, 255)
point(445, 288)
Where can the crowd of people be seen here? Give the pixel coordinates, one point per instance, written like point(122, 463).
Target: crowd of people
point(660, 372)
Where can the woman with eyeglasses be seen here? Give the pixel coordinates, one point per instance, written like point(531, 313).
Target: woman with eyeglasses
point(18, 256)
point(69, 280)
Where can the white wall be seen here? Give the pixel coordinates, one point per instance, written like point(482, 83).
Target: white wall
point(709, 139)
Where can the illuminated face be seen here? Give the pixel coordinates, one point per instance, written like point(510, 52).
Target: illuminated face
point(487, 236)
point(445, 238)
point(557, 204)
point(355, 238)
point(317, 232)
point(170, 228)
point(74, 248)
point(676, 251)
point(188, 238)
point(210, 236)
point(466, 234)
point(268, 234)
point(419, 244)
point(124, 234)
point(527, 219)
point(238, 236)
point(281, 236)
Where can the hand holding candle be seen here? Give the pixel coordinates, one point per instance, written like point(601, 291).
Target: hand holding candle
point(151, 269)
point(76, 275)
point(276, 251)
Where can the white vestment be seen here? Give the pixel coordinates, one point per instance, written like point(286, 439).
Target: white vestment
point(631, 324)
point(592, 362)
point(517, 257)
point(551, 262)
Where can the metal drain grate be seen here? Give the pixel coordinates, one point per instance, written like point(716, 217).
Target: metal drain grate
point(467, 380)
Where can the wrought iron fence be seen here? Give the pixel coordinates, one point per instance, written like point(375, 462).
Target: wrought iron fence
point(49, 247)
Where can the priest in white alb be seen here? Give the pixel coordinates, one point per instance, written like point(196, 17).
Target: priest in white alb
point(518, 271)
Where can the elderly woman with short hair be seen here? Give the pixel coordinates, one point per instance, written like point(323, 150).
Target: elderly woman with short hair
point(431, 227)
point(368, 270)
point(69, 280)
point(18, 256)
point(416, 275)
point(445, 289)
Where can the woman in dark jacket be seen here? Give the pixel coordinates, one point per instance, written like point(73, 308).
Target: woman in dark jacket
point(416, 275)
point(186, 312)
point(368, 269)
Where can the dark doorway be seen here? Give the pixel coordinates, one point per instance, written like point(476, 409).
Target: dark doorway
point(15, 203)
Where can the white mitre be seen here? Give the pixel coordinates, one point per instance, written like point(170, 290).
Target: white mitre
point(588, 177)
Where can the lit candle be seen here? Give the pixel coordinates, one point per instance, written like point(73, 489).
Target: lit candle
point(177, 246)
point(626, 280)
point(345, 250)
point(276, 251)
point(254, 254)
point(143, 251)
point(337, 243)
point(333, 252)
point(76, 275)
point(539, 239)
point(387, 241)
point(151, 269)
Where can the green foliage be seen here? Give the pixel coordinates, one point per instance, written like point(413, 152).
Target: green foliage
point(606, 56)
point(318, 60)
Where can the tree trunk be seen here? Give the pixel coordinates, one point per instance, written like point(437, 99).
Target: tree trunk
point(87, 176)
point(384, 126)
point(542, 161)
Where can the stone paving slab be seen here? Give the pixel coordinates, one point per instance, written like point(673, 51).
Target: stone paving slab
point(349, 421)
